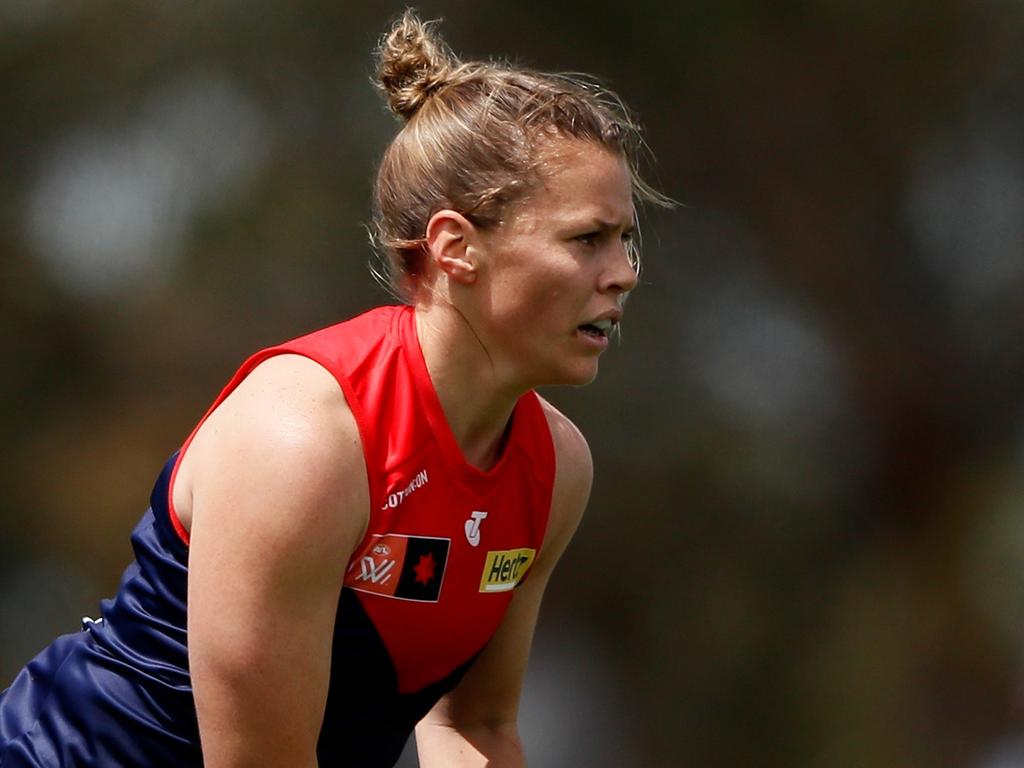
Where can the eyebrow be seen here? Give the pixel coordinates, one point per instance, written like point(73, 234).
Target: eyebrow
point(605, 226)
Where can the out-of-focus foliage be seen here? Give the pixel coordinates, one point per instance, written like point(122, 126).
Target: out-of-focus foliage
point(805, 545)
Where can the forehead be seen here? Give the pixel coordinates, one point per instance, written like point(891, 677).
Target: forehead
point(580, 180)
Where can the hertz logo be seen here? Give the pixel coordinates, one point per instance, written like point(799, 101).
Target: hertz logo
point(506, 568)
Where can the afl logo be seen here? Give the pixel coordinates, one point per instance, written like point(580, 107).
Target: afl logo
point(382, 549)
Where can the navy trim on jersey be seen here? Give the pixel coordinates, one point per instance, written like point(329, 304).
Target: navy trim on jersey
point(118, 694)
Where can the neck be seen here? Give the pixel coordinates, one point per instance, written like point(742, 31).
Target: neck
point(477, 403)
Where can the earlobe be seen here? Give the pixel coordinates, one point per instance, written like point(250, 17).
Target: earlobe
point(448, 235)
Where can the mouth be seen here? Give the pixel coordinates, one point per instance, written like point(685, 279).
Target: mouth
point(599, 329)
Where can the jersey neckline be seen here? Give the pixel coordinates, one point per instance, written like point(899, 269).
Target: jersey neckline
point(441, 429)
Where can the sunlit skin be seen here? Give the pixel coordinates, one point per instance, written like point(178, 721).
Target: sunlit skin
point(559, 262)
point(275, 483)
point(501, 309)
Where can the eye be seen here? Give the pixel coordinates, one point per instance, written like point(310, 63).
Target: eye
point(588, 239)
point(627, 237)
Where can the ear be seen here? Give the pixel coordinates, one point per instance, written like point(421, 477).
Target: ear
point(449, 238)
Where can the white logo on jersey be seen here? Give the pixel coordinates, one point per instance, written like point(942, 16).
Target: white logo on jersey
point(377, 573)
point(473, 527)
point(396, 498)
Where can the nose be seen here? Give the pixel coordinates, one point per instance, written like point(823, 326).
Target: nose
point(620, 274)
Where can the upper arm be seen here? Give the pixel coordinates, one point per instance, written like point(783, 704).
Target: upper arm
point(489, 692)
point(278, 502)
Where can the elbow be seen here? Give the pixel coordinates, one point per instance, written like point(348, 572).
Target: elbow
point(447, 745)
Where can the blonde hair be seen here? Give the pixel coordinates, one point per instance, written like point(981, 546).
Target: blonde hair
point(473, 139)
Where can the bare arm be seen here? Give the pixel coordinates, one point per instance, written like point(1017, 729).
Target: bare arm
point(276, 501)
point(475, 725)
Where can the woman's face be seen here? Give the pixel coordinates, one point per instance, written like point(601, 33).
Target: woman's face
point(555, 271)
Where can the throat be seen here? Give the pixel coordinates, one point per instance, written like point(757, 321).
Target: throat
point(480, 427)
point(483, 453)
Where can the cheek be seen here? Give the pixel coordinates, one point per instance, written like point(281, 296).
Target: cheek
point(545, 303)
point(540, 292)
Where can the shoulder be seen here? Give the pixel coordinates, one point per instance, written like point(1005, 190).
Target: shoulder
point(574, 475)
point(287, 435)
point(291, 391)
point(574, 463)
point(289, 408)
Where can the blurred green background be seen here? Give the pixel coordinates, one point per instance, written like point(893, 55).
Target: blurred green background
point(805, 545)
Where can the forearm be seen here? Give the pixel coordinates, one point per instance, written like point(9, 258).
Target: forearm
point(442, 745)
point(243, 745)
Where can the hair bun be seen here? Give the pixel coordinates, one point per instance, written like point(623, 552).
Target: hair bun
point(412, 63)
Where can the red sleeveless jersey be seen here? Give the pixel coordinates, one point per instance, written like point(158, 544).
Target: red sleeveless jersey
point(447, 543)
point(423, 593)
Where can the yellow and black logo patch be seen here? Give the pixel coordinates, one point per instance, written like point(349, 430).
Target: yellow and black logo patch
point(505, 568)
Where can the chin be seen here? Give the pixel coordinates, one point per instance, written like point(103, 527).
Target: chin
point(579, 375)
point(569, 370)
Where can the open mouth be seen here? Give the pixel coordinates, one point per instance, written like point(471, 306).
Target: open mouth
point(600, 329)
